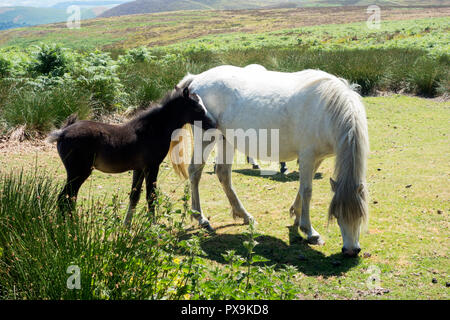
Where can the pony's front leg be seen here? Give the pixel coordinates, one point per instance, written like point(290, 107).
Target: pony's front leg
point(225, 156)
point(136, 188)
point(300, 208)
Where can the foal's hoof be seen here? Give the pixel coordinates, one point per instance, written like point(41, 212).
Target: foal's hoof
point(316, 240)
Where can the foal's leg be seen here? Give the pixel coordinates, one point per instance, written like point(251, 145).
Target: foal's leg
point(68, 195)
point(136, 188)
point(226, 152)
point(151, 174)
point(300, 208)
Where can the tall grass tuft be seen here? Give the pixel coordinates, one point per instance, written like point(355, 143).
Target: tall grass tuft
point(43, 109)
point(92, 256)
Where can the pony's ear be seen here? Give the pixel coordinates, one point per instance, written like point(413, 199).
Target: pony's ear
point(333, 185)
point(186, 92)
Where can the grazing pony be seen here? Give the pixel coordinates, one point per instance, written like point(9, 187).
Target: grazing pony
point(317, 115)
point(140, 144)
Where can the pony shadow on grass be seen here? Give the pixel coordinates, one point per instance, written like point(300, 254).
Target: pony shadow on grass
point(297, 253)
point(291, 176)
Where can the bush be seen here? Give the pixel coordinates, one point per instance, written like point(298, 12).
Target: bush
point(51, 60)
point(136, 55)
point(97, 73)
point(5, 67)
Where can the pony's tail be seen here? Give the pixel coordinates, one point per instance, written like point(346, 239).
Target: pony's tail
point(350, 200)
point(182, 141)
point(56, 134)
point(179, 151)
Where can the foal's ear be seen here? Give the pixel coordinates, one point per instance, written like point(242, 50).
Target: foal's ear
point(186, 93)
point(333, 185)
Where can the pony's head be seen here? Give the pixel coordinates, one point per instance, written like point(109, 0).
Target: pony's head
point(349, 207)
point(191, 110)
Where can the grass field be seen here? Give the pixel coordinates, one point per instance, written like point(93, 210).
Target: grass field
point(407, 237)
point(244, 27)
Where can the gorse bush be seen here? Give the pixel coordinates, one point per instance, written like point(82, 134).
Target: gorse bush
point(156, 259)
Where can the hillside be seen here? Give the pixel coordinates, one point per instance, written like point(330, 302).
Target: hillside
point(152, 6)
point(13, 17)
point(161, 29)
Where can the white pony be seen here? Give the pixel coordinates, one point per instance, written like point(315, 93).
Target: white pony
point(317, 114)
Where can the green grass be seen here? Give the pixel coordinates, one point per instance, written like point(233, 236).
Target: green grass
point(222, 30)
point(408, 231)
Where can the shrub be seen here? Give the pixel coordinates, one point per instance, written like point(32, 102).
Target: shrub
point(97, 73)
point(5, 67)
point(136, 55)
point(51, 60)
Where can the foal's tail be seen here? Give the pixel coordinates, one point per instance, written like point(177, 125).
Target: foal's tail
point(352, 148)
point(56, 134)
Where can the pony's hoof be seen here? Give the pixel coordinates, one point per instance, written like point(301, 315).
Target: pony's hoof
point(316, 240)
point(207, 227)
point(248, 220)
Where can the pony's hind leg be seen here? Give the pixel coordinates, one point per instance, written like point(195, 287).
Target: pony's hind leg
point(136, 188)
point(226, 155)
point(195, 173)
point(308, 165)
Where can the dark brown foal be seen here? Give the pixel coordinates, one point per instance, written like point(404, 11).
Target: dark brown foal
point(140, 145)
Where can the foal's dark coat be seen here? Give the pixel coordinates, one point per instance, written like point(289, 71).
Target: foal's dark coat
point(139, 145)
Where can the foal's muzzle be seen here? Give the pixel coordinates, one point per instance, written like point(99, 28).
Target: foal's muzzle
point(209, 122)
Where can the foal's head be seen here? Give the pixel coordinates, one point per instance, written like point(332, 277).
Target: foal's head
point(189, 108)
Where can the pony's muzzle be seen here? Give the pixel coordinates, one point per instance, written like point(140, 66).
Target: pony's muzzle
point(351, 252)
